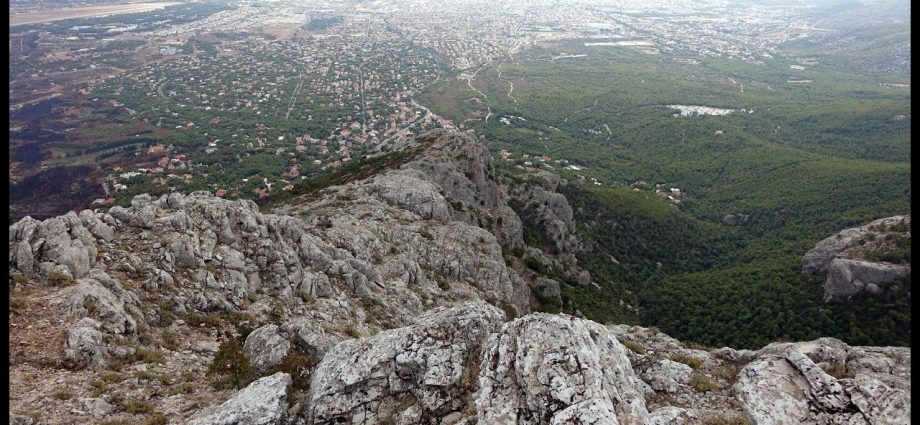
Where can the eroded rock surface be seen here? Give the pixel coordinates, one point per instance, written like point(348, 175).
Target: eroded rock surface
point(787, 383)
point(557, 369)
point(263, 402)
point(417, 373)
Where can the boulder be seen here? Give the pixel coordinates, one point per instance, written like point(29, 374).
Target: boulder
point(83, 345)
point(791, 388)
point(545, 368)
point(847, 278)
point(90, 298)
point(425, 370)
point(263, 402)
point(265, 348)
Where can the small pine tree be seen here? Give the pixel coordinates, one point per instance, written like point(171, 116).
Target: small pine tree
point(231, 364)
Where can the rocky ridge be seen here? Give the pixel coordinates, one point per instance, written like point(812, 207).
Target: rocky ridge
point(844, 258)
point(386, 299)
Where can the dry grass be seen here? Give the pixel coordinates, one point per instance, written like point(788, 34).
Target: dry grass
point(687, 360)
point(635, 347)
point(725, 419)
point(701, 383)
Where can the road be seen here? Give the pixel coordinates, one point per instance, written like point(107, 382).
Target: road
point(20, 105)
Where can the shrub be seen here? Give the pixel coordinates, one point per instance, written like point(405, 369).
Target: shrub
point(137, 406)
point(231, 364)
point(156, 418)
point(306, 297)
point(169, 341)
point(58, 278)
point(702, 383)
point(148, 355)
point(18, 303)
point(197, 319)
point(352, 331)
point(63, 394)
point(696, 346)
point(635, 347)
point(726, 420)
point(838, 370)
point(300, 367)
point(511, 312)
point(687, 360)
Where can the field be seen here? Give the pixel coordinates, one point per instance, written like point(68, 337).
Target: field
point(797, 161)
point(82, 12)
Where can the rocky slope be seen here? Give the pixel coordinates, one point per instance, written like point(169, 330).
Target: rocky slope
point(850, 259)
point(391, 298)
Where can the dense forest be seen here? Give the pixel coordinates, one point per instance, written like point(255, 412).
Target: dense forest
point(793, 164)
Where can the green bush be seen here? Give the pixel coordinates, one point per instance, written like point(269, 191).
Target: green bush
point(231, 364)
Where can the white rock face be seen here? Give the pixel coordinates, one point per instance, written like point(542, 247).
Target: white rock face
point(420, 371)
point(792, 388)
point(83, 345)
point(263, 402)
point(545, 368)
point(265, 347)
point(90, 298)
point(667, 375)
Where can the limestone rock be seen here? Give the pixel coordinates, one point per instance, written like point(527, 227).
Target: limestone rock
point(428, 367)
point(545, 368)
point(89, 298)
point(791, 388)
point(851, 243)
point(667, 375)
point(83, 345)
point(265, 348)
point(263, 402)
point(846, 278)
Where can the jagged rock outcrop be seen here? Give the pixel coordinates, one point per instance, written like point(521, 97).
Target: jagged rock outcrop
point(557, 369)
point(542, 208)
point(263, 402)
point(843, 257)
point(787, 383)
point(462, 168)
point(415, 374)
point(853, 243)
point(846, 278)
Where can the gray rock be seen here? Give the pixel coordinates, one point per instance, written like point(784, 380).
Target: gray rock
point(667, 375)
point(792, 388)
point(849, 243)
point(89, 298)
point(545, 368)
point(263, 402)
point(83, 345)
point(428, 365)
point(847, 278)
point(98, 408)
point(307, 338)
point(265, 348)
